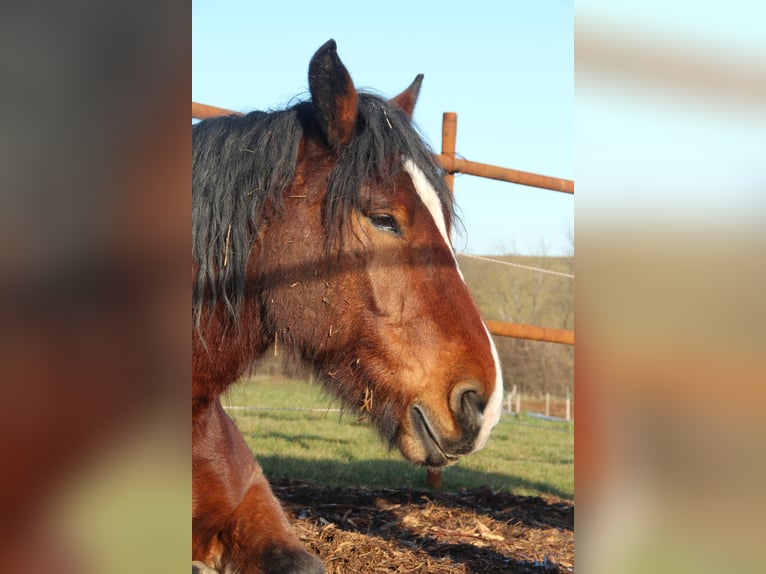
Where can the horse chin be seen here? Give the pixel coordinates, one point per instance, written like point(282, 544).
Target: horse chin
point(420, 443)
point(424, 453)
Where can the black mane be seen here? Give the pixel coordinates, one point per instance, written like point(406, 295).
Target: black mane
point(241, 162)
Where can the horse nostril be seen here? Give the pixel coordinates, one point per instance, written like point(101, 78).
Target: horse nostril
point(468, 406)
point(472, 404)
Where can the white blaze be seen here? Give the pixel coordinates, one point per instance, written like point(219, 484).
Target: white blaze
point(431, 200)
point(495, 404)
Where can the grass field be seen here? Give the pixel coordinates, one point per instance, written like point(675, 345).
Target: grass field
point(524, 455)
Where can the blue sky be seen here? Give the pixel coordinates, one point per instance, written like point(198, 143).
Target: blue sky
point(506, 68)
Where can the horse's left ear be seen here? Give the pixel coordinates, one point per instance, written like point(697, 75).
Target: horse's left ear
point(333, 95)
point(406, 100)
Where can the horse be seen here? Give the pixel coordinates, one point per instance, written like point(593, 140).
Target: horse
point(325, 228)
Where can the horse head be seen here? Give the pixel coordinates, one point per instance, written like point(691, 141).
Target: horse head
point(353, 269)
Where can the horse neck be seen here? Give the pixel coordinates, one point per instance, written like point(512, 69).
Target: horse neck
point(224, 349)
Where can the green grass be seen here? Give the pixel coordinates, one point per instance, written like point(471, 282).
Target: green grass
point(524, 455)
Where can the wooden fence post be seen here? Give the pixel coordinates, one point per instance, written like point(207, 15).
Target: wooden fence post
point(449, 138)
point(434, 478)
point(547, 404)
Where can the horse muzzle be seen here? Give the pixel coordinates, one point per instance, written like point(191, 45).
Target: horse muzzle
point(429, 444)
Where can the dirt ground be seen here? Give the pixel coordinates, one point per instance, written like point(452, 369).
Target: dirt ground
point(483, 531)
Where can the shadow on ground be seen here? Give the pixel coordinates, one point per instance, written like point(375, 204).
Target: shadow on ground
point(395, 474)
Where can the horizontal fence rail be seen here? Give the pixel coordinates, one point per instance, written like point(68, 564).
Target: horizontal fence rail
point(452, 165)
point(532, 332)
point(458, 165)
point(203, 111)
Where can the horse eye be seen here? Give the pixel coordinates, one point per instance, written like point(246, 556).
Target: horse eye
point(385, 222)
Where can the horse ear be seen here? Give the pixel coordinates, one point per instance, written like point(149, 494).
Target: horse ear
point(406, 100)
point(333, 94)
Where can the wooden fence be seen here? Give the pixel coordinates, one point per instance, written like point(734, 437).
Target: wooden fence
point(453, 165)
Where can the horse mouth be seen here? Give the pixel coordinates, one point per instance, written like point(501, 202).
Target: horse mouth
point(435, 454)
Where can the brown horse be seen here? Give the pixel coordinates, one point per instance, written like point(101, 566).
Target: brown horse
point(326, 227)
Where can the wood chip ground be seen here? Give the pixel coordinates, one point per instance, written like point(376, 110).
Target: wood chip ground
point(482, 531)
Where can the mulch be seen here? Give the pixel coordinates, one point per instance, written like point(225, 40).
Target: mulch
point(481, 531)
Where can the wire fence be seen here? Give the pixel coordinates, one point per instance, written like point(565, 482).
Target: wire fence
point(518, 265)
